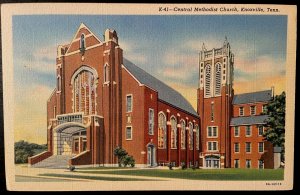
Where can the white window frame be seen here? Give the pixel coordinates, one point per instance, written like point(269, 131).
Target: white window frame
point(238, 144)
point(207, 146)
point(246, 147)
point(84, 42)
point(246, 164)
point(106, 73)
point(246, 130)
point(217, 132)
point(263, 147)
point(128, 111)
point(183, 131)
point(129, 126)
point(151, 131)
point(243, 113)
point(252, 106)
point(207, 87)
point(176, 131)
point(262, 164)
point(258, 130)
point(197, 137)
point(238, 127)
point(236, 160)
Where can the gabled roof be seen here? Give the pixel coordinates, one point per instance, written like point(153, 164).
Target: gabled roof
point(165, 93)
point(81, 27)
point(260, 96)
point(248, 120)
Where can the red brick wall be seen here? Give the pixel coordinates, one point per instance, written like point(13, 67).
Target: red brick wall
point(254, 156)
point(136, 145)
point(186, 155)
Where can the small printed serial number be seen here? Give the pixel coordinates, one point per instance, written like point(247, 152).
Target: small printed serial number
point(273, 184)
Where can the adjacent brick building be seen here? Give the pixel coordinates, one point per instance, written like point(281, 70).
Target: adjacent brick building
point(102, 100)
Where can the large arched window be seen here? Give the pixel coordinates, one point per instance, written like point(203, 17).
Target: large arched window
point(218, 79)
point(162, 130)
point(207, 80)
point(191, 137)
point(84, 91)
point(197, 137)
point(182, 141)
point(173, 132)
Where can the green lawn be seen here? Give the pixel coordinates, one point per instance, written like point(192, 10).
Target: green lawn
point(93, 177)
point(200, 174)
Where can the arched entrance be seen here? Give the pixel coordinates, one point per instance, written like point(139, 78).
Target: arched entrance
point(212, 162)
point(151, 155)
point(69, 139)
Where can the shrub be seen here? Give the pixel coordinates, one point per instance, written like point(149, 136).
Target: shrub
point(123, 157)
point(128, 160)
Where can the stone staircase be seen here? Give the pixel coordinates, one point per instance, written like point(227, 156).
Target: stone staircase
point(54, 162)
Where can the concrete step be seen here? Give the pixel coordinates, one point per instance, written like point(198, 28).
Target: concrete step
point(55, 162)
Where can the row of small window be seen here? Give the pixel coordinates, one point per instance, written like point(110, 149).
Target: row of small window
point(248, 130)
point(248, 163)
point(248, 147)
point(252, 110)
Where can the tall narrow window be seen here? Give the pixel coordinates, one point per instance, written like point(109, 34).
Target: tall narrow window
point(207, 80)
point(248, 147)
point(241, 109)
point(236, 163)
point(191, 137)
point(106, 73)
point(82, 42)
point(261, 147)
point(58, 83)
point(236, 131)
point(248, 131)
point(173, 133)
point(218, 80)
point(162, 130)
point(236, 147)
point(260, 130)
point(260, 164)
point(151, 121)
point(212, 114)
point(197, 137)
point(129, 103)
point(248, 163)
point(252, 110)
point(128, 133)
point(182, 134)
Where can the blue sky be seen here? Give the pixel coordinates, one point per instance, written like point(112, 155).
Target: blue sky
point(165, 46)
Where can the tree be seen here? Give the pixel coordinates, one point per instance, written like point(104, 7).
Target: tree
point(23, 150)
point(275, 124)
point(120, 153)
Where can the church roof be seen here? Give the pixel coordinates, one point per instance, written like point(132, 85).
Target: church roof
point(260, 96)
point(165, 93)
point(248, 120)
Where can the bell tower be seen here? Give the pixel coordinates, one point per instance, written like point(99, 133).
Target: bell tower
point(215, 94)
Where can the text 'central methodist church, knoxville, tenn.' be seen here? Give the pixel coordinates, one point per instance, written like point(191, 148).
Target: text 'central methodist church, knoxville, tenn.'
point(102, 101)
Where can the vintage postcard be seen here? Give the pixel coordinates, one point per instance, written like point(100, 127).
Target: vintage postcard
point(148, 96)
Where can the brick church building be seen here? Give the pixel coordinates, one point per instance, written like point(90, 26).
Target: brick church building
point(102, 100)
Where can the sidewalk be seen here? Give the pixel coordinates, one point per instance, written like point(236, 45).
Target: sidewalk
point(37, 173)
